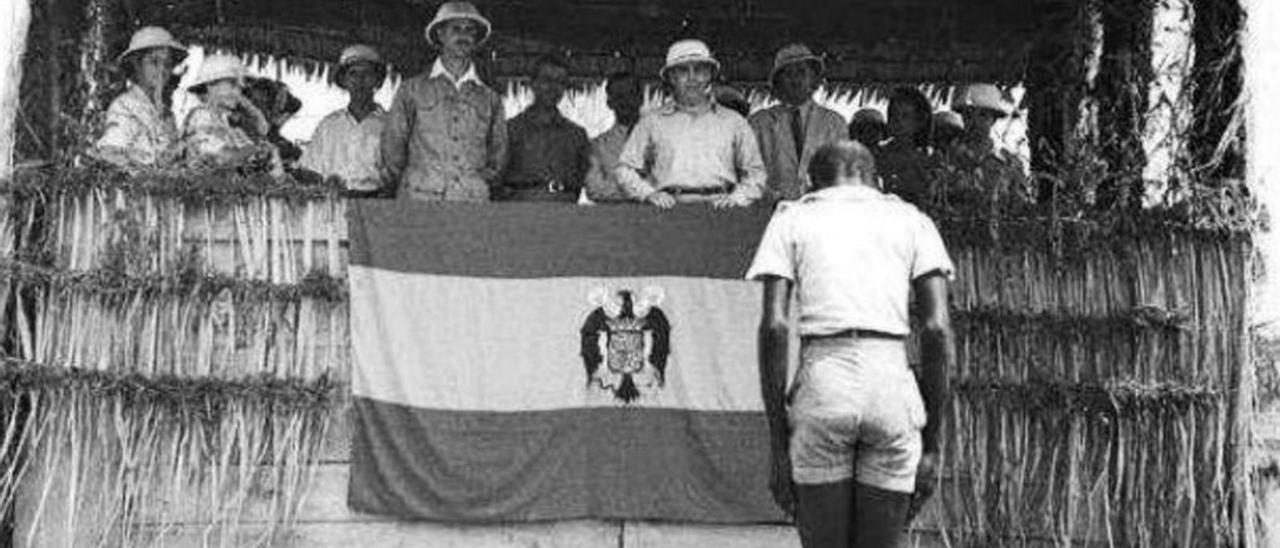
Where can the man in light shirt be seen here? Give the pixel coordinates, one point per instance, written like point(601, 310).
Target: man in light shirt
point(346, 143)
point(855, 455)
point(446, 134)
point(692, 149)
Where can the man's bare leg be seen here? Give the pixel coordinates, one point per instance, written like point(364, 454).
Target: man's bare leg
point(823, 513)
point(879, 517)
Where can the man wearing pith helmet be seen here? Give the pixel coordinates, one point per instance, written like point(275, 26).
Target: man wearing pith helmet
point(347, 142)
point(692, 149)
point(792, 130)
point(446, 133)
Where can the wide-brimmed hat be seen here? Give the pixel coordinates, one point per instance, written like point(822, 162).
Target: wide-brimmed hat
point(147, 38)
point(218, 67)
point(947, 118)
point(793, 54)
point(983, 97)
point(352, 55)
point(688, 52)
point(457, 10)
point(869, 116)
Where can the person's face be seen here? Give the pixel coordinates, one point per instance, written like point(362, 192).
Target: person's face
point(459, 37)
point(869, 133)
point(904, 121)
point(549, 84)
point(978, 121)
point(155, 68)
point(225, 92)
point(691, 83)
point(361, 80)
point(795, 83)
point(625, 99)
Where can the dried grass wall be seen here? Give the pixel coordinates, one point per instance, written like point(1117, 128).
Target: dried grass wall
point(183, 338)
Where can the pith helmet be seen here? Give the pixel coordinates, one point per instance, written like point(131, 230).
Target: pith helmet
point(457, 10)
point(146, 38)
point(792, 54)
point(983, 97)
point(688, 52)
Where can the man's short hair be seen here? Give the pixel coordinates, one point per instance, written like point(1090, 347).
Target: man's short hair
point(843, 157)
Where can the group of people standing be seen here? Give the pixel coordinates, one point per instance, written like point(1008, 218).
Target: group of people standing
point(446, 136)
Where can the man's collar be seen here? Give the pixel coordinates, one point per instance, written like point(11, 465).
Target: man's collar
point(377, 111)
point(438, 69)
point(672, 107)
point(845, 192)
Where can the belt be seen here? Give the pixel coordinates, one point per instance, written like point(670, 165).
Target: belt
point(694, 190)
point(854, 334)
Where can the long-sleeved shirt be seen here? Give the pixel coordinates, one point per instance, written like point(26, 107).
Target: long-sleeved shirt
point(546, 151)
point(347, 148)
point(788, 167)
point(136, 129)
point(602, 180)
point(444, 140)
point(712, 147)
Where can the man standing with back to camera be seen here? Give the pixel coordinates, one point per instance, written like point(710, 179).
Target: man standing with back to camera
point(855, 445)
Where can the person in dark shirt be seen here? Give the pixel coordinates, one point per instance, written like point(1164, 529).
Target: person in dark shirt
point(548, 154)
point(904, 160)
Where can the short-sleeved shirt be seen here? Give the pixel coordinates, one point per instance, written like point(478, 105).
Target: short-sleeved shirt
point(602, 181)
point(135, 125)
point(347, 148)
point(445, 139)
point(676, 147)
point(788, 167)
point(853, 252)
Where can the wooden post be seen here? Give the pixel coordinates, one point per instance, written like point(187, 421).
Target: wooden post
point(1261, 48)
point(1061, 115)
point(1216, 84)
point(15, 17)
point(101, 16)
point(1124, 81)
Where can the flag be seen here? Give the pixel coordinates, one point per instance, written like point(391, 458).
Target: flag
point(526, 362)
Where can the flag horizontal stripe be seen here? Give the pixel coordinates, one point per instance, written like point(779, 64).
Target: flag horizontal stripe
point(488, 344)
point(659, 464)
point(520, 240)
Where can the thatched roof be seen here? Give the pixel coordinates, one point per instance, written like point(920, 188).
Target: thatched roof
point(865, 40)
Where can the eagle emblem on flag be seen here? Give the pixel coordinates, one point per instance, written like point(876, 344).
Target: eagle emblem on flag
point(626, 341)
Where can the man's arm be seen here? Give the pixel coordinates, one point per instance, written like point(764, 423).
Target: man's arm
point(937, 353)
point(749, 165)
point(395, 138)
point(632, 161)
point(498, 143)
point(775, 334)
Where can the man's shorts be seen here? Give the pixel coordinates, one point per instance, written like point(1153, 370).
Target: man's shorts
point(856, 412)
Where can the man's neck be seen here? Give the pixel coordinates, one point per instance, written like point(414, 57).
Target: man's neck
point(361, 109)
point(696, 107)
point(456, 66)
point(542, 112)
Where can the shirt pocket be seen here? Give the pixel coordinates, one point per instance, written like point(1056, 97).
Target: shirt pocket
point(472, 119)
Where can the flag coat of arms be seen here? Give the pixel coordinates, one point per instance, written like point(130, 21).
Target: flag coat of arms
point(523, 362)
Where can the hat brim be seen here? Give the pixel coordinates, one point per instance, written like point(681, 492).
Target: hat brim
point(819, 66)
point(999, 113)
point(179, 54)
point(431, 27)
point(341, 70)
point(715, 65)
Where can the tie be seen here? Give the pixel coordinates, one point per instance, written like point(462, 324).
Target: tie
point(797, 131)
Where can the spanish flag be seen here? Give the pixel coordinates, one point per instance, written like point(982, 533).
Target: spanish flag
point(524, 362)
